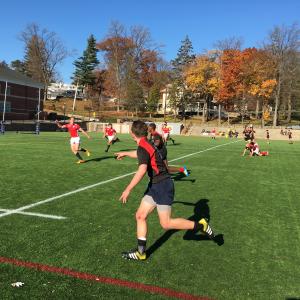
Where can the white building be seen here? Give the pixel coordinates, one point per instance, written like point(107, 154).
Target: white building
point(60, 89)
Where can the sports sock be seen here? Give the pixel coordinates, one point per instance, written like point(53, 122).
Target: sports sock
point(82, 149)
point(78, 156)
point(142, 245)
point(173, 141)
point(198, 226)
point(108, 146)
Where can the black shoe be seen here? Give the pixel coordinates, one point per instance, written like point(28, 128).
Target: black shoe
point(134, 255)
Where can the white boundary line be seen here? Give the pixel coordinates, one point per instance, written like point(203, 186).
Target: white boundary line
point(34, 214)
point(20, 209)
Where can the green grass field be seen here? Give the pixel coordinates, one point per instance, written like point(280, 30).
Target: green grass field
point(253, 203)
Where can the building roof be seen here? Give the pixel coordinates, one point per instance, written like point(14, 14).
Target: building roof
point(12, 76)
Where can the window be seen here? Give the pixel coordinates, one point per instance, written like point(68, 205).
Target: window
point(8, 91)
point(7, 106)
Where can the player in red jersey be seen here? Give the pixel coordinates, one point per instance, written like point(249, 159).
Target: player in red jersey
point(166, 133)
point(254, 150)
point(75, 139)
point(213, 134)
point(157, 140)
point(111, 135)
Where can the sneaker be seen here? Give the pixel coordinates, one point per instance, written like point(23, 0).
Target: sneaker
point(134, 255)
point(81, 161)
point(185, 171)
point(206, 228)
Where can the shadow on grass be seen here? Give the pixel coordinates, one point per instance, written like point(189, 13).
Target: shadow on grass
point(132, 149)
point(171, 144)
point(182, 177)
point(97, 159)
point(201, 210)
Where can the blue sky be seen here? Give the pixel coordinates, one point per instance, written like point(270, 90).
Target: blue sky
point(168, 21)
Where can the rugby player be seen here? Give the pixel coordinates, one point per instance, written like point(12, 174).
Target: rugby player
point(159, 194)
point(75, 139)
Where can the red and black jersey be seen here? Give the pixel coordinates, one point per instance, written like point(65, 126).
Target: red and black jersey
point(157, 140)
point(149, 155)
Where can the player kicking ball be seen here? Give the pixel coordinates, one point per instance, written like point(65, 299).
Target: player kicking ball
point(75, 139)
point(158, 142)
point(111, 135)
point(159, 194)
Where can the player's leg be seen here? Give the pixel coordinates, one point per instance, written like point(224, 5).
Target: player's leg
point(167, 223)
point(109, 143)
point(75, 148)
point(146, 207)
point(173, 141)
point(86, 151)
point(173, 169)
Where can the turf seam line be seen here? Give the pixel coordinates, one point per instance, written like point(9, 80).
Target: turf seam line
point(102, 279)
point(22, 208)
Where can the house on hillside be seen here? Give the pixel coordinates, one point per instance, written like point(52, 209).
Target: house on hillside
point(164, 106)
point(20, 95)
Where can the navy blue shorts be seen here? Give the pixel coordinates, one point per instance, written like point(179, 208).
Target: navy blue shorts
point(162, 192)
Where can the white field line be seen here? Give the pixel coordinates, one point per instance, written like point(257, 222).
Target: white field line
point(34, 214)
point(20, 209)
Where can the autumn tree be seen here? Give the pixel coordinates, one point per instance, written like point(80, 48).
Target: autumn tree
point(44, 51)
point(202, 78)
point(282, 42)
point(116, 48)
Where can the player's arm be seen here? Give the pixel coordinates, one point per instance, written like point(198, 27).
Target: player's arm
point(135, 180)
point(85, 133)
point(59, 125)
point(121, 155)
point(251, 153)
point(243, 154)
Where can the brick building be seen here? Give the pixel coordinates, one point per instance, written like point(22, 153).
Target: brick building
point(22, 95)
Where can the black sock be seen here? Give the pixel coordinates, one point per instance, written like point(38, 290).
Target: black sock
point(78, 156)
point(82, 149)
point(108, 146)
point(142, 246)
point(198, 226)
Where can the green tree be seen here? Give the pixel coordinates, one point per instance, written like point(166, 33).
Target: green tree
point(184, 57)
point(180, 96)
point(134, 96)
point(86, 64)
point(153, 98)
point(18, 65)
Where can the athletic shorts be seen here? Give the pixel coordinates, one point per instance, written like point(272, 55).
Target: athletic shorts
point(166, 136)
point(256, 151)
point(75, 140)
point(111, 138)
point(160, 194)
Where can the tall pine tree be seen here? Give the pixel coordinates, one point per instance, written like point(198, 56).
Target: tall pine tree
point(180, 96)
point(86, 64)
point(184, 57)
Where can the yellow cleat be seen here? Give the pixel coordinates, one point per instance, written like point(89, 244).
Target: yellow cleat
point(80, 161)
point(206, 228)
point(134, 255)
point(88, 153)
